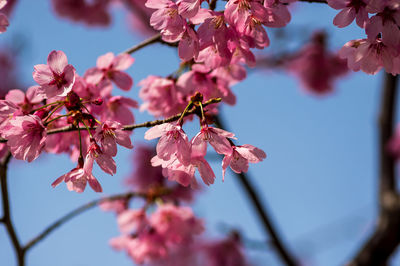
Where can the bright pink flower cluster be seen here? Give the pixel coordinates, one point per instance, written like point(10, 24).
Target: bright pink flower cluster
point(381, 48)
point(222, 38)
point(65, 99)
point(149, 237)
point(180, 158)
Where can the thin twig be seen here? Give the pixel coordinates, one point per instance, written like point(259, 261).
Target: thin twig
point(134, 126)
point(6, 219)
point(262, 212)
point(78, 211)
point(153, 39)
point(386, 237)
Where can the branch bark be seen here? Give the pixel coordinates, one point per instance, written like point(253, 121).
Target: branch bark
point(6, 219)
point(383, 242)
point(262, 213)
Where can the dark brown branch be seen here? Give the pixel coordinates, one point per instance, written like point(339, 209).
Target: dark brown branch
point(151, 40)
point(6, 219)
point(262, 213)
point(82, 209)
point(134, 126)
point(383, 242)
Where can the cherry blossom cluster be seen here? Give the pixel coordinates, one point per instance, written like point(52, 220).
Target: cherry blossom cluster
point(63, 98)
point(218, 39)
point(180, 157)
point(165, 233)
point(381, 48)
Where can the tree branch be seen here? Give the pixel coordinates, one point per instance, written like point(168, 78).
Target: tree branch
point(155, 38)
point(82, 209)
point(262, 212)
point(379, 247)
point(6, 219)
point(134, 126)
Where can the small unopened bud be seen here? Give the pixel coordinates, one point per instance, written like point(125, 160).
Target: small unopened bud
point(197, 97)
point(73, 101)
point(98, 101)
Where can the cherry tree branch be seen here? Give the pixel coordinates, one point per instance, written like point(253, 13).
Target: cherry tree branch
point(145, 124)
point(155, 38)
point(62, 220)
point(262, 213)
point(6, 219)
point(386, 237)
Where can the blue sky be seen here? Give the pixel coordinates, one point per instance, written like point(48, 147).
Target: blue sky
point(319, 179)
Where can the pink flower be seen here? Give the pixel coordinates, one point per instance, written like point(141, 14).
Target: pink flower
point(3, 18)
point(146, 247)
point(57, 77)
point(109, 134)
point(386, 23)
point(240, 158)
point(132, 221)
point(167, 19)
point(110, 67)
point(351, 9)
point(7, 110)
point(240, 12)
point(317, 67)
point(160, 96)
point(177, 225)
point(216, 137)
point(227, 252)
point(188, 8)
point(117, 108)
point(76, 180)
point(34, 95)
point(277, 13)
point(173, 142)
point(92, 13)
point(104, 160)
point(369, 56)
point(26, 137)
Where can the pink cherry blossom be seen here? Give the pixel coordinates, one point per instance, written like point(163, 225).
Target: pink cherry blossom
point(369, 56)
point(7, 110)
point(188, 8)
point(57, 77)
point(34, 95)
point(240, 158)
point(110, 133)
point(161, 97)
point(278, 14)
point(239, 13)
point(317, 67)
point(173, 142)
point(132, 221)
point(117, 108)
point(92, 13)
point(26, 137)
point(104, 160)
point(227, 252)
point(177, 225)
point(77, 179)
point(216, 137)
point(350, 10)
point(110, 67)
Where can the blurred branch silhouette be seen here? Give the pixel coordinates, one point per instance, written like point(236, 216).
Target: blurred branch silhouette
point(386, 237)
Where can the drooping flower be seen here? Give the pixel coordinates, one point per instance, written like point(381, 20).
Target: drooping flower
point(110, 133)
point(173, 142)
point(110, 67)
point(104, 160)
point(76, 180)
point(240, 158)
point(26, 136)
point(57, 77)
point(216, 137)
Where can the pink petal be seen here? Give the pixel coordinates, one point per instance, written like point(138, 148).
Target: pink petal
point(15, 96)
point(94, 184)
point(344, 17)
point(205, 171)
point(122, 80)
point(42, 74)
point(105, 61)
point(123, 61)
point(57, 61)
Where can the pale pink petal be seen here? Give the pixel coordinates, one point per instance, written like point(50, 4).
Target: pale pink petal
point(15, 96)
point(105, 61)
point(344, 17)
point(57, 61)
point(122, 80)
point(205, 171)
point(42, 74)
point(123, 61)
point(94, 184)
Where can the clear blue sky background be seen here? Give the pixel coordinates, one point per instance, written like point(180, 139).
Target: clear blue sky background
point(319, 180)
